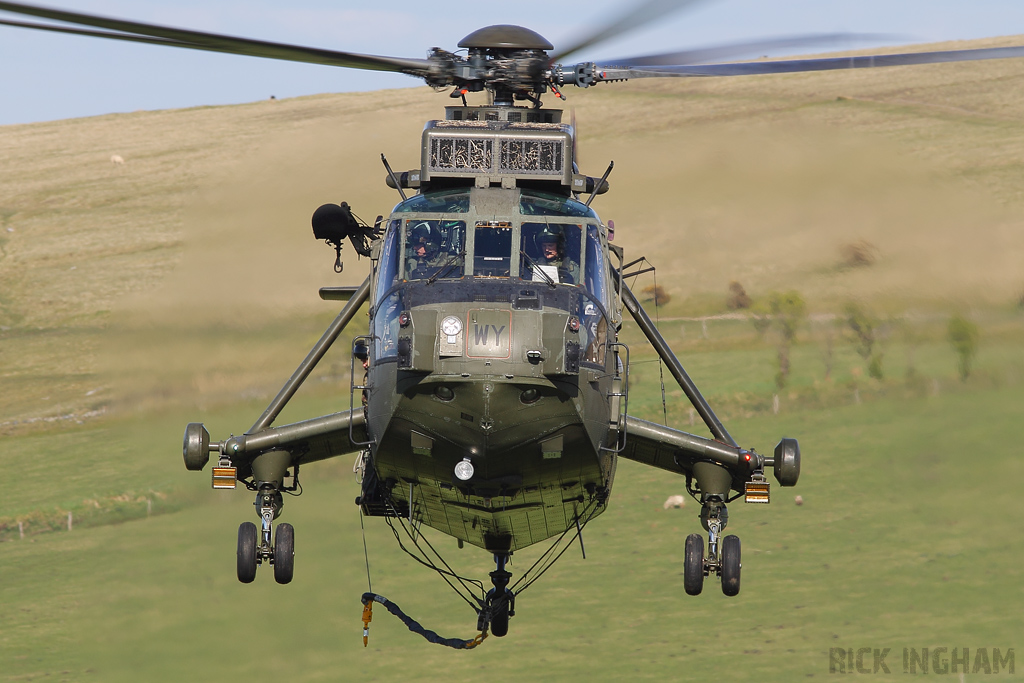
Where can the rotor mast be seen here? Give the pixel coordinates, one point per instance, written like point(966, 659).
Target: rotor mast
point(511, 62)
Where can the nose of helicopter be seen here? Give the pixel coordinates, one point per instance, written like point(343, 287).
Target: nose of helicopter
point(492, 411)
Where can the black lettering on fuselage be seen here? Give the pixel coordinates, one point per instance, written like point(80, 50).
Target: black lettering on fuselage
point(481, 333)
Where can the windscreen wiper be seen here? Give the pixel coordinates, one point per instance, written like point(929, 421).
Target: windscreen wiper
point(537, 269)
point(446, 266)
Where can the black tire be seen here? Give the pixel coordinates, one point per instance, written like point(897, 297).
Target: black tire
point(284, 553)
point(499, 618)
point(693, 565)
point(731, 565)
point(246, 552)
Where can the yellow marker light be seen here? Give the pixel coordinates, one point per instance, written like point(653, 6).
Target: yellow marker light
point(757, 492)
point(224, 477)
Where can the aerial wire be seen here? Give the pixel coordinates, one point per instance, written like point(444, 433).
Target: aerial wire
point(661, 365)
point(366, 554)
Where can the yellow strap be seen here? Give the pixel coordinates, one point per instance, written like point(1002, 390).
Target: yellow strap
point(476, 641)
point(367, 618)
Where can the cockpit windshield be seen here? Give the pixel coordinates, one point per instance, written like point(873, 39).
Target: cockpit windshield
point(534, 203)
point(555, 240)
point(442, 201)
point(492, 249)
point(434, 249)
point(550, 252)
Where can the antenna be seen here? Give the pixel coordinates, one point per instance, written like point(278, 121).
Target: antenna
point(597, 188)
point(393, 178)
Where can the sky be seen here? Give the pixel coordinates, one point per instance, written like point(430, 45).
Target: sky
point(50, 76)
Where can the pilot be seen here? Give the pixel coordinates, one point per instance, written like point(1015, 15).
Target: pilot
point(552, 257)
point(423, 250)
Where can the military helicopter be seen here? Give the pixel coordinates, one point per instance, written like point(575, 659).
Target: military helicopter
point(489, 396)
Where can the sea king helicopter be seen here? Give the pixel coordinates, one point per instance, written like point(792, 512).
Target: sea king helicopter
point(489, 396)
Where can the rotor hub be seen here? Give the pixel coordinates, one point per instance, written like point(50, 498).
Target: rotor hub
point(505, 37)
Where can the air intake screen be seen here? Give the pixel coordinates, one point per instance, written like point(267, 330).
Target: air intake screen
point(515, 155)
point(531, 156)
point(461, 154)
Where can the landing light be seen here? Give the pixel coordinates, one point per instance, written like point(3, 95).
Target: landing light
point(464, 470)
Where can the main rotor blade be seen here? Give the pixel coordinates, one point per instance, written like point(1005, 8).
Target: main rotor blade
point(630, 20)
point(727, 50)
point(198, 40)
point(823, 64)
point(97, 34)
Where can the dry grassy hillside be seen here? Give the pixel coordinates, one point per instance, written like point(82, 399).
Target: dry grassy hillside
point(760, 179)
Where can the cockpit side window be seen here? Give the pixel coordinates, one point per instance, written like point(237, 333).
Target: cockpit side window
point(387, 265)
point(596, 280)
point(386, 308)
point(550, 252)
point(434, 248)
point(492, 249)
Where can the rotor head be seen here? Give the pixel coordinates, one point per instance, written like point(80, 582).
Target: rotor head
point(505, 37)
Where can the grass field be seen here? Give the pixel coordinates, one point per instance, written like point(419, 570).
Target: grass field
point(181, 287)
point(908, 538)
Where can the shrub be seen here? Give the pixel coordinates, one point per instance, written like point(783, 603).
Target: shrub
point(864, 327)
point(858, 254)
point(761, 317)
point(788, 311)
point(657, 294)
point(963, 336)
point(737, 296)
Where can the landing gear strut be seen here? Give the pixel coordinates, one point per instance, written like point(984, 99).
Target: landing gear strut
point(713, 516)
point(259, 545)
point(500, 602)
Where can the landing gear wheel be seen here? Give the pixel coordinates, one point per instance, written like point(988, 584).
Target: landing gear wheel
point(246, 552)
point(284, 553)
point(731, 565)
point(693, 565)
point(499, 618)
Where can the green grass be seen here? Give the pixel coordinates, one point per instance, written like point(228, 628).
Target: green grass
point(905, 539)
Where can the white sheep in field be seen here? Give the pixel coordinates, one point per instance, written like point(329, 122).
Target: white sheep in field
point(117, 159)
point(674, 502)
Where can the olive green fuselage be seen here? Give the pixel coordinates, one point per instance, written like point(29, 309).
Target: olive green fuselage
point(513, 373)
point(533, 437)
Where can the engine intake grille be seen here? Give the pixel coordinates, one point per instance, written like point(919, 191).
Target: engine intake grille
point(461, 154)
point(532, 156)
point(528, 154)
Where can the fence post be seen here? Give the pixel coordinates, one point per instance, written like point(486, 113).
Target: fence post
point(69, 520)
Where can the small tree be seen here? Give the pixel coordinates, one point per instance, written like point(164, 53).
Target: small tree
point(963, 336)
point(827, 352)
point(864, 327)
point(788, 311)
point(858, 254)
point(761, 317)
point(657, 294)
point(738, 297)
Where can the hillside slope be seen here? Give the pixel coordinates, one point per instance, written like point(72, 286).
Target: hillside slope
point(757, 179)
